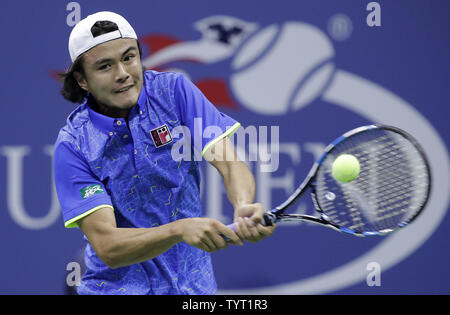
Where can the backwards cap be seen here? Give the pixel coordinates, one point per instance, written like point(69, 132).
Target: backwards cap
point(81, 38)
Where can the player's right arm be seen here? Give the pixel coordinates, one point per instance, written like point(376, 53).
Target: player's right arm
point(118, 247)
point(86, 204)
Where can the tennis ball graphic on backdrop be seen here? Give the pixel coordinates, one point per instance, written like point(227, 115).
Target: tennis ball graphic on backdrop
point(274, 70)
point(282, 68)
point(345, 168)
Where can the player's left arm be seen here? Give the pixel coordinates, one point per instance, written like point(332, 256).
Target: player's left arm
point(240, 187)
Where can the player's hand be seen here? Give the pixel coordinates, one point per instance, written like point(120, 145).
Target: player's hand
point(248, 218)
point(206, 234)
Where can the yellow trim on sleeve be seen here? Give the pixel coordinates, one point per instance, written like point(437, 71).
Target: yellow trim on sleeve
point(72, 223)
point(227, 133)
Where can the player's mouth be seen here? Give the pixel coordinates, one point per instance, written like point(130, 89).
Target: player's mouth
point(124, 89)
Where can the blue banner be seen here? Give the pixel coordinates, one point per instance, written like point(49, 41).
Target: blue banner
point(295, 73)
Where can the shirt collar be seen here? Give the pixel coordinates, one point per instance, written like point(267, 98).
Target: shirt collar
point(102, 122)
point(142, 99)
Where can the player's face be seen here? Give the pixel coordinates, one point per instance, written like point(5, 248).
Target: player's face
point(113, 75)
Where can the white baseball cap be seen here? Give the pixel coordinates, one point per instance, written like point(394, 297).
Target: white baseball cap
point(81, 38)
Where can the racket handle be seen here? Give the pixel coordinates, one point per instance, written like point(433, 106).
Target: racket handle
point(267, 220)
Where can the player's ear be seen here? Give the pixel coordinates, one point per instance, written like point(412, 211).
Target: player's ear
point(81, 80)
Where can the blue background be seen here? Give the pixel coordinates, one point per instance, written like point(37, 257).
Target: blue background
point(408, 55)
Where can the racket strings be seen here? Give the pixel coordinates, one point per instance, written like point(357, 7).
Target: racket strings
point(390, 189)
point(398, 189)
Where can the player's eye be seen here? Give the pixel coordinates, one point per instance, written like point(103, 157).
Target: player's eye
point(129, 57)
point(104, 67)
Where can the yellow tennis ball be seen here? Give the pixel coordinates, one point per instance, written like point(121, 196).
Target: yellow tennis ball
point(345, 168)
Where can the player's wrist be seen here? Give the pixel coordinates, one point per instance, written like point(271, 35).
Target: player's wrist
point(250, 210)
point(177, 230)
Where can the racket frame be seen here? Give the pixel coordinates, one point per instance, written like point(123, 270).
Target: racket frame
point(278, 215)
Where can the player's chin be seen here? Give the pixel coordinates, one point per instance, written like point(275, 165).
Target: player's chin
point(125, 100)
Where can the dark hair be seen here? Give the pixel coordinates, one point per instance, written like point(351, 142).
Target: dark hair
point(71, 90)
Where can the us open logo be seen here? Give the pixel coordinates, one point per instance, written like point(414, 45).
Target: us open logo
point(161, 136)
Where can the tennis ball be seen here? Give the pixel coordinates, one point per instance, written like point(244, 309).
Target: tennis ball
point(345, 168)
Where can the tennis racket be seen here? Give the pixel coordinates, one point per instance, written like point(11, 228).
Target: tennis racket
point(391, 190)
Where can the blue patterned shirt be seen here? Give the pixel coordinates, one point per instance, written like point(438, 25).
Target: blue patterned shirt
point(101, 161)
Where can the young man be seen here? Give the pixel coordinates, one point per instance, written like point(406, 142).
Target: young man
point(117, 180)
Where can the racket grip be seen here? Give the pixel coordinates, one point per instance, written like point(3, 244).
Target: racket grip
point(267, 220)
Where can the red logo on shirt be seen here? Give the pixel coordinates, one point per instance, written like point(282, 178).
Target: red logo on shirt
point(161, 136)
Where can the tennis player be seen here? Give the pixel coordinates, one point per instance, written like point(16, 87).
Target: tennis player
point(138, 207)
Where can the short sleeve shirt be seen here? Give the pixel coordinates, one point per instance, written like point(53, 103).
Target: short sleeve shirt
point(145, 169)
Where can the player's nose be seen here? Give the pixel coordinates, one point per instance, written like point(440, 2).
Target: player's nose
point(122, 74)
